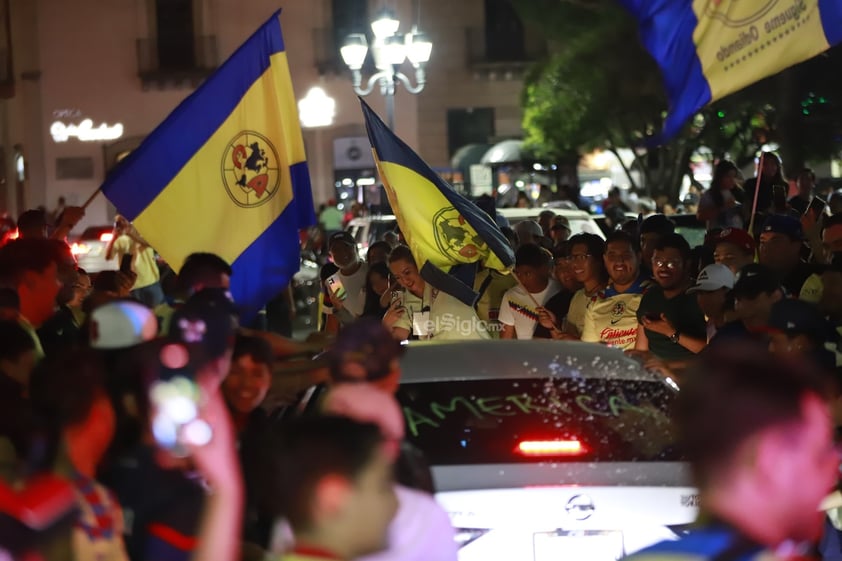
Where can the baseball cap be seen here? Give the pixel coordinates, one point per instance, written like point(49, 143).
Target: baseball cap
point(341, 236)
point(363, 352)
point(121, 324)
point(735, 236)
point(529, 227)
point(208, 318)
point(657, 224)
point(796, 317)
point(713, 277)
point(560, 222)
point(754, 279)
point(784, 224)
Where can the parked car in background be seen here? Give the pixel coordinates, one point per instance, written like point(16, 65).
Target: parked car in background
point(89, 249)
point(545, 450)
point(580, 221)
point(690, 227)
point(368, 229)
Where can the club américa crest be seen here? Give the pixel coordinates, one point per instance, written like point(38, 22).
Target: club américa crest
point(250, 169)
point(455, 237)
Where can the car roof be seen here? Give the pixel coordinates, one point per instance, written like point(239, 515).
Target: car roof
point(535, 212)
point(439, 361)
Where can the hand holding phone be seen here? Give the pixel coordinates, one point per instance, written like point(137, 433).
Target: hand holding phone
point(337, 289)
point(816, 207)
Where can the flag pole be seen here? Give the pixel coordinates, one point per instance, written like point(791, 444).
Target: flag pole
point(534, 301)
point(92, 197)
point(756, 194)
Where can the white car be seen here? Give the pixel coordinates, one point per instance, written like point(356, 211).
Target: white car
point(368, 229)
point(580, 221)
point(89, 249)
point(546, 450)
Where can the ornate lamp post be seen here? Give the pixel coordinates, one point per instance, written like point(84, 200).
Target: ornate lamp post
point(389, 50)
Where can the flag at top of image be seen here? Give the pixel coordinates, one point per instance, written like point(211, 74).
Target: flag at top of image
point(708, 49)
point(225, 173)
point(442, 228)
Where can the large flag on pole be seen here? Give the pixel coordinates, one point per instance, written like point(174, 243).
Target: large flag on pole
point(444, 230)
point(226, 173)
point(708, 49)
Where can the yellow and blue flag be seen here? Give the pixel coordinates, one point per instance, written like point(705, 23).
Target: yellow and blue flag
point(708, 49)
point(446, 232)
point(225, 173)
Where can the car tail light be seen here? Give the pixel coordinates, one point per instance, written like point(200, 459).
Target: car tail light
point(464, 536)
point(546, 448)
point(15, 234)
point(79, 249)
point(106, 237)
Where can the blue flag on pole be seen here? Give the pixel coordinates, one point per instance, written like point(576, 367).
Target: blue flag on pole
point(708, 49)
point(225, 173)
point(446, 232)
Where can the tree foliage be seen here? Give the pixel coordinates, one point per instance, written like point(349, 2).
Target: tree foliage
point(600, 89)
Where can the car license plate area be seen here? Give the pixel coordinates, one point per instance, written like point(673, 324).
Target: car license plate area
point(578, 545)
point(95, 251)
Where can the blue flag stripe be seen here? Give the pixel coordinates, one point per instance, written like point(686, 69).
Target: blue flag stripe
point(264, 268)
point(669, 26)
point(390, 148)
point(150, 168)
point(831, 11)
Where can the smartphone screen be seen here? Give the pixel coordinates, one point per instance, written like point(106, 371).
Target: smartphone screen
point(816, 207)
point(336, 287)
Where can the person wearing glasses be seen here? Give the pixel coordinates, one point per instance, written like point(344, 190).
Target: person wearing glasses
point(671, 325)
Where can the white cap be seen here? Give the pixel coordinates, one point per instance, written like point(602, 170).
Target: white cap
point(121, 324)
point(713, 277)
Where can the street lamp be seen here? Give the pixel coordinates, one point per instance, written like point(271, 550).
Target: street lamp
point(389, 50)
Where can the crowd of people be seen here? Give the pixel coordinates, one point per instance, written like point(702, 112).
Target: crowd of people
point(144, 424)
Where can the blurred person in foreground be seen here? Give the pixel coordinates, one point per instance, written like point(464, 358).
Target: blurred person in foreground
point(757, 430)
point(331, 478)
point(421, 529)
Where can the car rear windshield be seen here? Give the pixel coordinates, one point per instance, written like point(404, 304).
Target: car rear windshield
point(522, 420)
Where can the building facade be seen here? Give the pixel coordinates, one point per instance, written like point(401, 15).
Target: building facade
point(82, 83)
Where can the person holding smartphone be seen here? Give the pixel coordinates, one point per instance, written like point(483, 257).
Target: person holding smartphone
point(343, 282)
point(805, 199)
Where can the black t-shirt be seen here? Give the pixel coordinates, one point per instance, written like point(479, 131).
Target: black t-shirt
point(683, 313)
point(558, 304)
point(731, 332)
point(795, 279)
point(162, 508)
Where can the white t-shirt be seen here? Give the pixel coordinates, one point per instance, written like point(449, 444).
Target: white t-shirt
point(353, 287)
point(518, 309)
point(420, 531)
point(438, 315)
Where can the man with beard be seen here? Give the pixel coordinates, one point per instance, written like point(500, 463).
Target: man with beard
point(611, 318)
point(670, 324)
